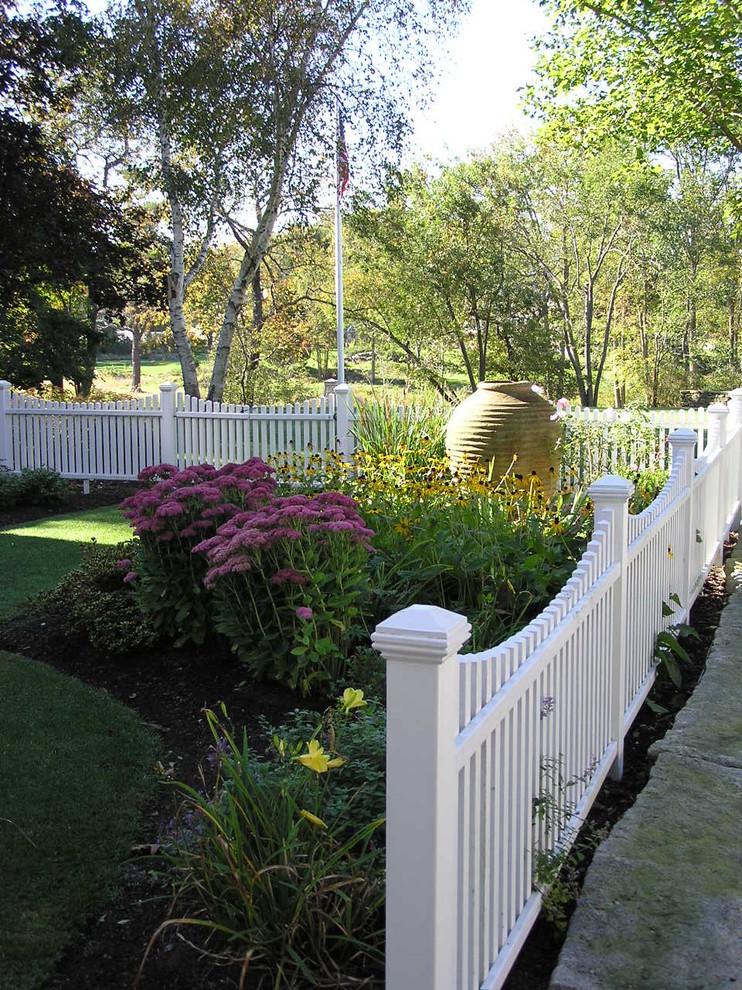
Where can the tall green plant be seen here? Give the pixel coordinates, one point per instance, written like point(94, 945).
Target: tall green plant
point(269, 869)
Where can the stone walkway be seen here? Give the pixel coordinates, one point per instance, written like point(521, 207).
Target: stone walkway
point(661, 908)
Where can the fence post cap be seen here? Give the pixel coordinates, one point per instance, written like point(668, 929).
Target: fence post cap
point(4, 384)
point(168, 387)
point(342, 389)
point(736, 393)
point(611, 488)
point(684, 437)
point(421, 634)
point(719, 409)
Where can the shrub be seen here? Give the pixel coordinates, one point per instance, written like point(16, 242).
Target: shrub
point(176, 511)
point(267, 862)
point(288, 581)
point(10, 489)
point(96, 601)
point(32, 487)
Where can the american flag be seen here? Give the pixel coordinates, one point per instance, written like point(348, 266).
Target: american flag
point(343, 167)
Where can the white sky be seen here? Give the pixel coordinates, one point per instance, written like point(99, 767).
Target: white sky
point(477, 95)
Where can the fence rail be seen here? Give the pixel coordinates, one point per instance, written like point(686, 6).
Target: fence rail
point(494, 758)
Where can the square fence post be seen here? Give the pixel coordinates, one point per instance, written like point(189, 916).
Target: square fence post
point(345, 441)
point(734, 425)
point(168, 436)
point(6, 451)
point(420, 645)
point(610, 496)
point(683, 444)
point(718, 415)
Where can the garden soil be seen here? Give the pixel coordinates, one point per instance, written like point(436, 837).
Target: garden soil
point(169, 690)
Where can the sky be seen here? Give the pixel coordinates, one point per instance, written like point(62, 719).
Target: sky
point(477, 95)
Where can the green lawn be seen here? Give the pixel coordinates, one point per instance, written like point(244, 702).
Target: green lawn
point(114, 374)
point(36, 556)
point(73, 764)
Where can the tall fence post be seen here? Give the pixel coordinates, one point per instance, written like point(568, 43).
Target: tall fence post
point(683, 443)
point(168, 452)
point(420, 645)
point(610, 495)
point(718, 415)
point(734, 424)
point(344, 419)
point(6, 453)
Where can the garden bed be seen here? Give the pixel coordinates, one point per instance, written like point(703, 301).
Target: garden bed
point(168, 690)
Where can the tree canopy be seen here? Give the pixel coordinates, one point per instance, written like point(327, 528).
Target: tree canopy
point(665, 72)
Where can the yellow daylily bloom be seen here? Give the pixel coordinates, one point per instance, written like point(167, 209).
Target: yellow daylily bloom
point(308, 816)
point(316, 759)
point(353, 698)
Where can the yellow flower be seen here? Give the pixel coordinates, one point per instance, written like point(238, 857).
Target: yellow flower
point(316, 759)
point(403, 528)
point(308, 816)
point(353, 698)
point(669, 552)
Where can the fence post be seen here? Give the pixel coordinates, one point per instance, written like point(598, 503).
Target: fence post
point(168, 452)
point(610, 495)
point(734, 424)
point(735, 409)
point(6, 452)
point(718, 415)
point(345, 441)
point(420, 645)
point(683, 441)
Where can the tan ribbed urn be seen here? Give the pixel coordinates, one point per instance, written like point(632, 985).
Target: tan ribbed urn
point(501, 419)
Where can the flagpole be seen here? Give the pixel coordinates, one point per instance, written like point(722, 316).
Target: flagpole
point(339, 259)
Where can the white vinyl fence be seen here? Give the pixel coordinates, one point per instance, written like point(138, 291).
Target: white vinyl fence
point(607, 438)
point(105, 440)
point(494, 758)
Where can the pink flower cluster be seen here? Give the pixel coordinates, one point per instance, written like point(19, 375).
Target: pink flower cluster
point(191, 503)
point(292, 518)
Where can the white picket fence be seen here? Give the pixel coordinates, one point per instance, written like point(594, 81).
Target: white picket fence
point(636, 437)
point(477, 743)
point(115, 440)
point(106, 440)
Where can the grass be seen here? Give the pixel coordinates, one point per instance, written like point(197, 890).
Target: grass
point(114, 374)
point(36, 556)
point(68, 810)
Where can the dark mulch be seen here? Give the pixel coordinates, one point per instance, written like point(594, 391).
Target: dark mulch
point(169, 689)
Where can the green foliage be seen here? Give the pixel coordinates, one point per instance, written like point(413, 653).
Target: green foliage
point(268, 863)
point(661, 74)
point(556, 869)
point(590, 449)
point(416, 434)
point(497, 554)
point(669, 651)
point(10, 489)
point(95, 602)
point(648, 484)
point(358, 793)
point(32, 487)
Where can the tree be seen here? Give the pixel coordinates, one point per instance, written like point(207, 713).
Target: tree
point(65, 250)
point(668, 72)
point(584, 215)
point(449, 272)
point(232, 107)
